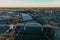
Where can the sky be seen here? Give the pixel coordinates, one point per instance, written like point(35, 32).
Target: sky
point(38, 0)
point(29, 3)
